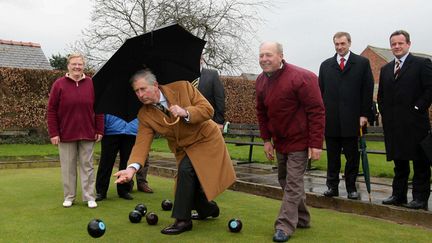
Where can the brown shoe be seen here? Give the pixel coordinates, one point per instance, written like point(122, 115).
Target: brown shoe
point(143, 187)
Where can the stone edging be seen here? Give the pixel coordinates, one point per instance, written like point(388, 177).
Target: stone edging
point(392, 213)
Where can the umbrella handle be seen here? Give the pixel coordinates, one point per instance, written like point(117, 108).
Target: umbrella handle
point(171, 123)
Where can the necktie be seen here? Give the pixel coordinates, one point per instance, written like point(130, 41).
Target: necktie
point(397, 69)
point(195, 83)
point(162, 108)
point(342, 63)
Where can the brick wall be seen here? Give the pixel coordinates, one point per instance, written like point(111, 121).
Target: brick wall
point(376, 63)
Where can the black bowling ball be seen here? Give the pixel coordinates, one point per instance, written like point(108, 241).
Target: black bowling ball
point(152, 218)
point(235, 225)
point(135, 216)
point(141, 208)
point(96, 228)
point(166, 205)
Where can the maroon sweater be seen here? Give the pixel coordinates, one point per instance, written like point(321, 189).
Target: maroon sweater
point(290, 109)
point(70, 111)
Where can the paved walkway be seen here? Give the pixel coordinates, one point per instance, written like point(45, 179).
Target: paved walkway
point(315, 180)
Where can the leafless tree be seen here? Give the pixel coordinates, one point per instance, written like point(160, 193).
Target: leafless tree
point(228, 26)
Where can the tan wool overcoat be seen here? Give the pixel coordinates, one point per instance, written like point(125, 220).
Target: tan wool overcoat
point(200, 138)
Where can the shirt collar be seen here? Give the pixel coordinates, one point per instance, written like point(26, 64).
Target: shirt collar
point(402, 59)
point(346, 57)
point(162, 99)
point(280, 68)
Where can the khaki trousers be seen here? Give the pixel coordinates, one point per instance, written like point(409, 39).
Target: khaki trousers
point(293, 211)
point(73, 154)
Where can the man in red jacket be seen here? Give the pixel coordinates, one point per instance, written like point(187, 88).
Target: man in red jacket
point(291, 118)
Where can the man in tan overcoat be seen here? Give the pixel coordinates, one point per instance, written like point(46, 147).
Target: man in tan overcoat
point(179, 112)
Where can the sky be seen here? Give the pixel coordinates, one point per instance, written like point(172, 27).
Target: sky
point(304, 27)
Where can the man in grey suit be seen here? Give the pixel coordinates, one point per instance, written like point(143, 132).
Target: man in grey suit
point(404, 97)
point(212, 88)
point(346, 84)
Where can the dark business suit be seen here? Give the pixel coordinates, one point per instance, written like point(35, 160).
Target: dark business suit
point(347, 96)
point(403, 103)
point(211, 87)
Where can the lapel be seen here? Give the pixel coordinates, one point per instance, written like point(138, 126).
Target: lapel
point(171, 95)
point(348, 64)
point(203, 80)
point(335, 64)
point(390, 70)
point(405, 66)
point(173, 98)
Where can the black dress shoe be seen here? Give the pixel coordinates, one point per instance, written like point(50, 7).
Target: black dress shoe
point(214, 214)
point(353, 195)
point(331, 192)
point(394, 200)
point(417, 204)
point(178, 227)
point(100, 197)
point(126, 196)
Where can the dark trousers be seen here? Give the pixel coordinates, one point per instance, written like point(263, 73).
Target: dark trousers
point(110, 146)
point(349, 146)
point(420, 182)
point(141, 175)
point(189, 194)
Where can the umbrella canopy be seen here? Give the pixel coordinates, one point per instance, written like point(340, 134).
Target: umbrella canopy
point(365, 162)
point(171, 52)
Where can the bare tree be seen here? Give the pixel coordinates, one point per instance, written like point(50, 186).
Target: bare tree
point(228, 26)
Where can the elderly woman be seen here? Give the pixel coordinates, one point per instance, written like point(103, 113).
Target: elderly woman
point(74, 127)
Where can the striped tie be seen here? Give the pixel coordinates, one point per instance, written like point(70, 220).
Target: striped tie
point(162, 108)
point(397, 69)
point(195, 83)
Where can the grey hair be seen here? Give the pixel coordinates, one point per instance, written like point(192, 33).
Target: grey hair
point(279, 47)
point(145, 74)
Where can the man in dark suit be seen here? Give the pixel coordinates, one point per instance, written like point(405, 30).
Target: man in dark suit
point(346, 85)
point(404, 96)
point(211, 87)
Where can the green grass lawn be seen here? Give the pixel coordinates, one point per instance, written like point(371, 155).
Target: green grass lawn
point(31, 211)
point(379, 167)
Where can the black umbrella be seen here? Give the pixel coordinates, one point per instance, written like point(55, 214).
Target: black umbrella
point(365, 162)
point(171, 52)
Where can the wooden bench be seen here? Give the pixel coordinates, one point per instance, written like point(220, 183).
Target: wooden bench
point(250, 131)
point(14, 133)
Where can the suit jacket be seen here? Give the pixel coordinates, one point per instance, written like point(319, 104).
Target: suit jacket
point(212, 89)
point(404, 126)
point(347, 94)
point(200, 138)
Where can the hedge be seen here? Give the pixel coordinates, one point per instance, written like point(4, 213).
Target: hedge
point(24, 96)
